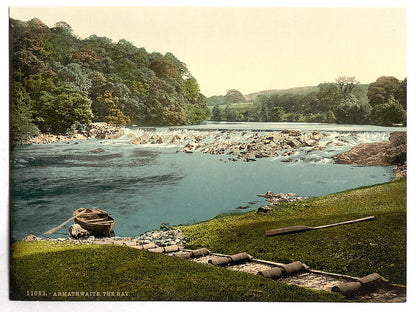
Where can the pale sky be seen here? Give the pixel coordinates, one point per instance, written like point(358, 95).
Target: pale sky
point(252, 49)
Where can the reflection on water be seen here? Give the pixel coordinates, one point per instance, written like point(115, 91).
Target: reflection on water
point(145, 185)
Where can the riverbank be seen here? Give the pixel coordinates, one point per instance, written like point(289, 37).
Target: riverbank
point(356, 250)
point(98, 130)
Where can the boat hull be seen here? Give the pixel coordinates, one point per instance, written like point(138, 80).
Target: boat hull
point(96, 220)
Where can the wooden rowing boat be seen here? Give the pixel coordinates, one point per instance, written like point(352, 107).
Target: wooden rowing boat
point(96, 220)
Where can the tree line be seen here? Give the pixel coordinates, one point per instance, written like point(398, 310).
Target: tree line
point(344, 101)
point(60, 83)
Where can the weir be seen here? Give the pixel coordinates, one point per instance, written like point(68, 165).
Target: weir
point(147, 184)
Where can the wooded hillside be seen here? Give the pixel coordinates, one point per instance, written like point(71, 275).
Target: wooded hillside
point(61, 83)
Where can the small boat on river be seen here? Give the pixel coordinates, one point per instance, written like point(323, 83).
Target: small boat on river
point(96, 220)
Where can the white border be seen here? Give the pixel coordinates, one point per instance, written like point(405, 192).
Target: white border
point(6, 305)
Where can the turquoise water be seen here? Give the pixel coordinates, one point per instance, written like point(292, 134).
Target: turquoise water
point(145, 185)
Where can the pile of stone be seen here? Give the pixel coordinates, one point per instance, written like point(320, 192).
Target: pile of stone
point(102, 131)
point(99, 130)
point(166, 236)
point(276, 199)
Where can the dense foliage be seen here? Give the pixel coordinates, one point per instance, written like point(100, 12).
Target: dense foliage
point(61, 82)
point(344, 101)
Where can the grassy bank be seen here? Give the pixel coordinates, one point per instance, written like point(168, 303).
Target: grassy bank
point(59, 269)
point(110, 272)
point(356, 249)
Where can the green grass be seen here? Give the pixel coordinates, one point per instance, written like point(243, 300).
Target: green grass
point(355, 249)
point(55, 268)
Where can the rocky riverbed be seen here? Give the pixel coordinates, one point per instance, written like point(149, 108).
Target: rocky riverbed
point(99, 130)
point(248, 147)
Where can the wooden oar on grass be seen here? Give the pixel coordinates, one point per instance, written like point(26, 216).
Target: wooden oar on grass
point(303, 228)
point(59, 226)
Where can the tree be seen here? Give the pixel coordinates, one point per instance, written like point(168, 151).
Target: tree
point(384, 96)
point(112, 109)
point(27, 43)
point(109, 100)
point(199, 110)
point(100, 45)
point(56, 113)
point(126, 50)
point(234, 96)
point(74, 75)
point(191, 90)
point(216, 113)
point(380, 91)
point(37, 83)
point(60, 44)
point(85, 57)
point(329, 96)
point(22, 126)
point(229, 114)
point(164, 68)
point(164, 105)
point(276, 114)
point(391, 112)
point(261, 105)
point(310, 103)
point(180, 66)
point(346, 84)
point(402, 94)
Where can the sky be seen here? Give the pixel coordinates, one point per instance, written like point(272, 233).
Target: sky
point(252, 48)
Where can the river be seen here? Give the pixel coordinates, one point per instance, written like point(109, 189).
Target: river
point(145, 185)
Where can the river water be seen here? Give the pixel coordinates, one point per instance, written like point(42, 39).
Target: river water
point(145, 185)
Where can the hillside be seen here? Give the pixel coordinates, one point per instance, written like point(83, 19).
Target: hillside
point(295, 90)
point(61, 83)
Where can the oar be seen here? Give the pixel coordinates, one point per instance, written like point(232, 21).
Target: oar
point(303, 228)
point(59, 226)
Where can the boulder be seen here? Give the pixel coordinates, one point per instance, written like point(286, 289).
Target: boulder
point(292, 132)
point(178, 137)
point(165, 226)
point(190, 147)
point(386, 153)
point(113, 134)
point(156, 139)
point(30, 238)
point(143, 139)
point(264, 209)
point(76, 231)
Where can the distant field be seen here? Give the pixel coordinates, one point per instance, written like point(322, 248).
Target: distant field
point(236, 106)
point(298, 90)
